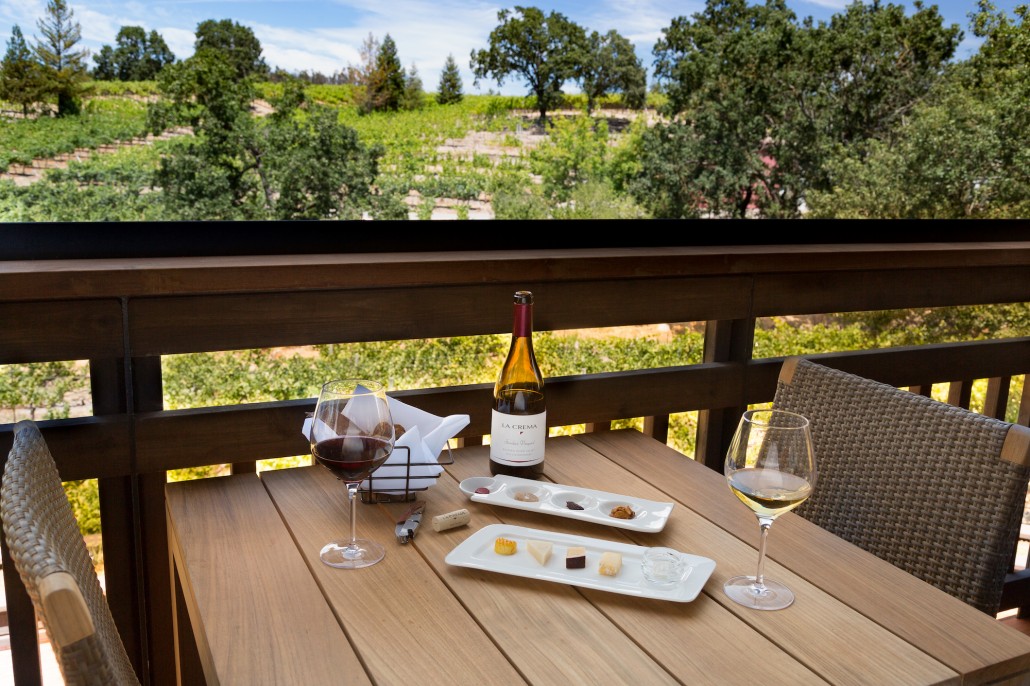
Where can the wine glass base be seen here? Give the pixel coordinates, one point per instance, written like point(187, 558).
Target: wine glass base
point(352, 554)
point(742, 590)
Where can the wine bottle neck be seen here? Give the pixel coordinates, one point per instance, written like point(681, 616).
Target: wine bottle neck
point(523, 324)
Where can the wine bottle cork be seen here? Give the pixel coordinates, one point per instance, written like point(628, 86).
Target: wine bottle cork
point(451, 520)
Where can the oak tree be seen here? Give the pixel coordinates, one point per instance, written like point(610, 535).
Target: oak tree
point(759, 102)
point(236, 43)
point(952, 156)
point(611, 65)
point(544, 50)
point(137, 57)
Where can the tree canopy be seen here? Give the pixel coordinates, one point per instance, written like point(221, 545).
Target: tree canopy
point(137, 57)
point(610, 64)
point(953, 155)
point(298, 163)
point(545, 50)
point(760, 102)
point(236, 43)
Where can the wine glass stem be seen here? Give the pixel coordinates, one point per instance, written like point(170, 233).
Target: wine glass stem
point(764, 524)
point(352, 494)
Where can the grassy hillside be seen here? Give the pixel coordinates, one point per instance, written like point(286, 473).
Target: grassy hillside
point(87, 167)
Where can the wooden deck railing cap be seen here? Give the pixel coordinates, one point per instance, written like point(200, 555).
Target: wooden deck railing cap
point(148, 276)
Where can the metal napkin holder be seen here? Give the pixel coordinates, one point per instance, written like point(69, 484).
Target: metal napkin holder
point(371, 496)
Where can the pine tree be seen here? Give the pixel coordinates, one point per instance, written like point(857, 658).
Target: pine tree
point(63, 65)
point(413, 93)
point(386, 85)
point(450, 83)
point(20, 78)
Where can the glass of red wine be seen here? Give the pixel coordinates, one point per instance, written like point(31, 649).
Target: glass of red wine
point(351, 435)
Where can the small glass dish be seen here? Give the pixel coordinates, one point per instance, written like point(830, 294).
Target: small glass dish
point(663, 566)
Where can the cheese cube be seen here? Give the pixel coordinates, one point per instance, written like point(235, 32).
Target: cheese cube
point(610, 563)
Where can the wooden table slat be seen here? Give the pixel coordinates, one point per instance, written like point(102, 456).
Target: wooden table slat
point(397, 612)
point(235, 557)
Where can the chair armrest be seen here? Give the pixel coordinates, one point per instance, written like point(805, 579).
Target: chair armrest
point(1017, 445)
point(65, 608)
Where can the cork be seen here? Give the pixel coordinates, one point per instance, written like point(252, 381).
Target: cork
point(451, 520)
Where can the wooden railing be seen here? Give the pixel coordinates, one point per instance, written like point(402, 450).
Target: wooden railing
point(122, 315)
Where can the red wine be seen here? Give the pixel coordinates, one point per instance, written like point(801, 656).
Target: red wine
point(518, 426)
point(352, 458)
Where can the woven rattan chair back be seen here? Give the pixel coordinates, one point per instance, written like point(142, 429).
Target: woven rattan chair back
point(932, 488)
point(54, 564)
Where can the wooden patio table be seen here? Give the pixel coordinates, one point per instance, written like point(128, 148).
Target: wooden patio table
point(254, 604)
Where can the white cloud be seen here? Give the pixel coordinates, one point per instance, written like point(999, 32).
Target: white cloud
point(424, 33)
point(98, 27)
point(180, 41)
point(21, 12)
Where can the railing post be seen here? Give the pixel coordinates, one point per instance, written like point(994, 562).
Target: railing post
point(118, 519)
point(1023, 419)
point(657, 427)
point(960, 393)
point(148, 394)
point(133, 527)
point(725, 341)
point(21, 624)
point(996, 399)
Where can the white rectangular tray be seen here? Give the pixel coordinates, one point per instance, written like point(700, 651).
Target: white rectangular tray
point(477, 552)
point(650, 516)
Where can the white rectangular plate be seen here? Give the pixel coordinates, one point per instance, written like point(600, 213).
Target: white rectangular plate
point(650, 515)
point(477, 552)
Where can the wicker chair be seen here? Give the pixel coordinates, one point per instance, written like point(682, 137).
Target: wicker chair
point(932, 488)
point(54, 564)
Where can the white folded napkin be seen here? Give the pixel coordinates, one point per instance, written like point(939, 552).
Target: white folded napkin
point(425, 436)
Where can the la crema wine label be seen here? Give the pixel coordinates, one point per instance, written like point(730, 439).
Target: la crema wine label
point(517, 439)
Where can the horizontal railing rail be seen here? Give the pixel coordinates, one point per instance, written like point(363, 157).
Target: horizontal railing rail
point(123, 314)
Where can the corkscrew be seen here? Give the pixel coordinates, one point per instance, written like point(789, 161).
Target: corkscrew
point(408, 524)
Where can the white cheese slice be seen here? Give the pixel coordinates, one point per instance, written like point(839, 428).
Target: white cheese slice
point(540, 550)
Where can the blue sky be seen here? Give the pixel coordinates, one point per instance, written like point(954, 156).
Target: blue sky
point(327, 35)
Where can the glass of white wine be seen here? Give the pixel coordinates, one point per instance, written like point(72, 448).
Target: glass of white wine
point(770, 466)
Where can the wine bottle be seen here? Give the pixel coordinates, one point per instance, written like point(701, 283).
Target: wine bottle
point(518, 427)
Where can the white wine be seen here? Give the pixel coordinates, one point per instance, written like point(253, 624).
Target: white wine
point(769, 492)
point(518, 427)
